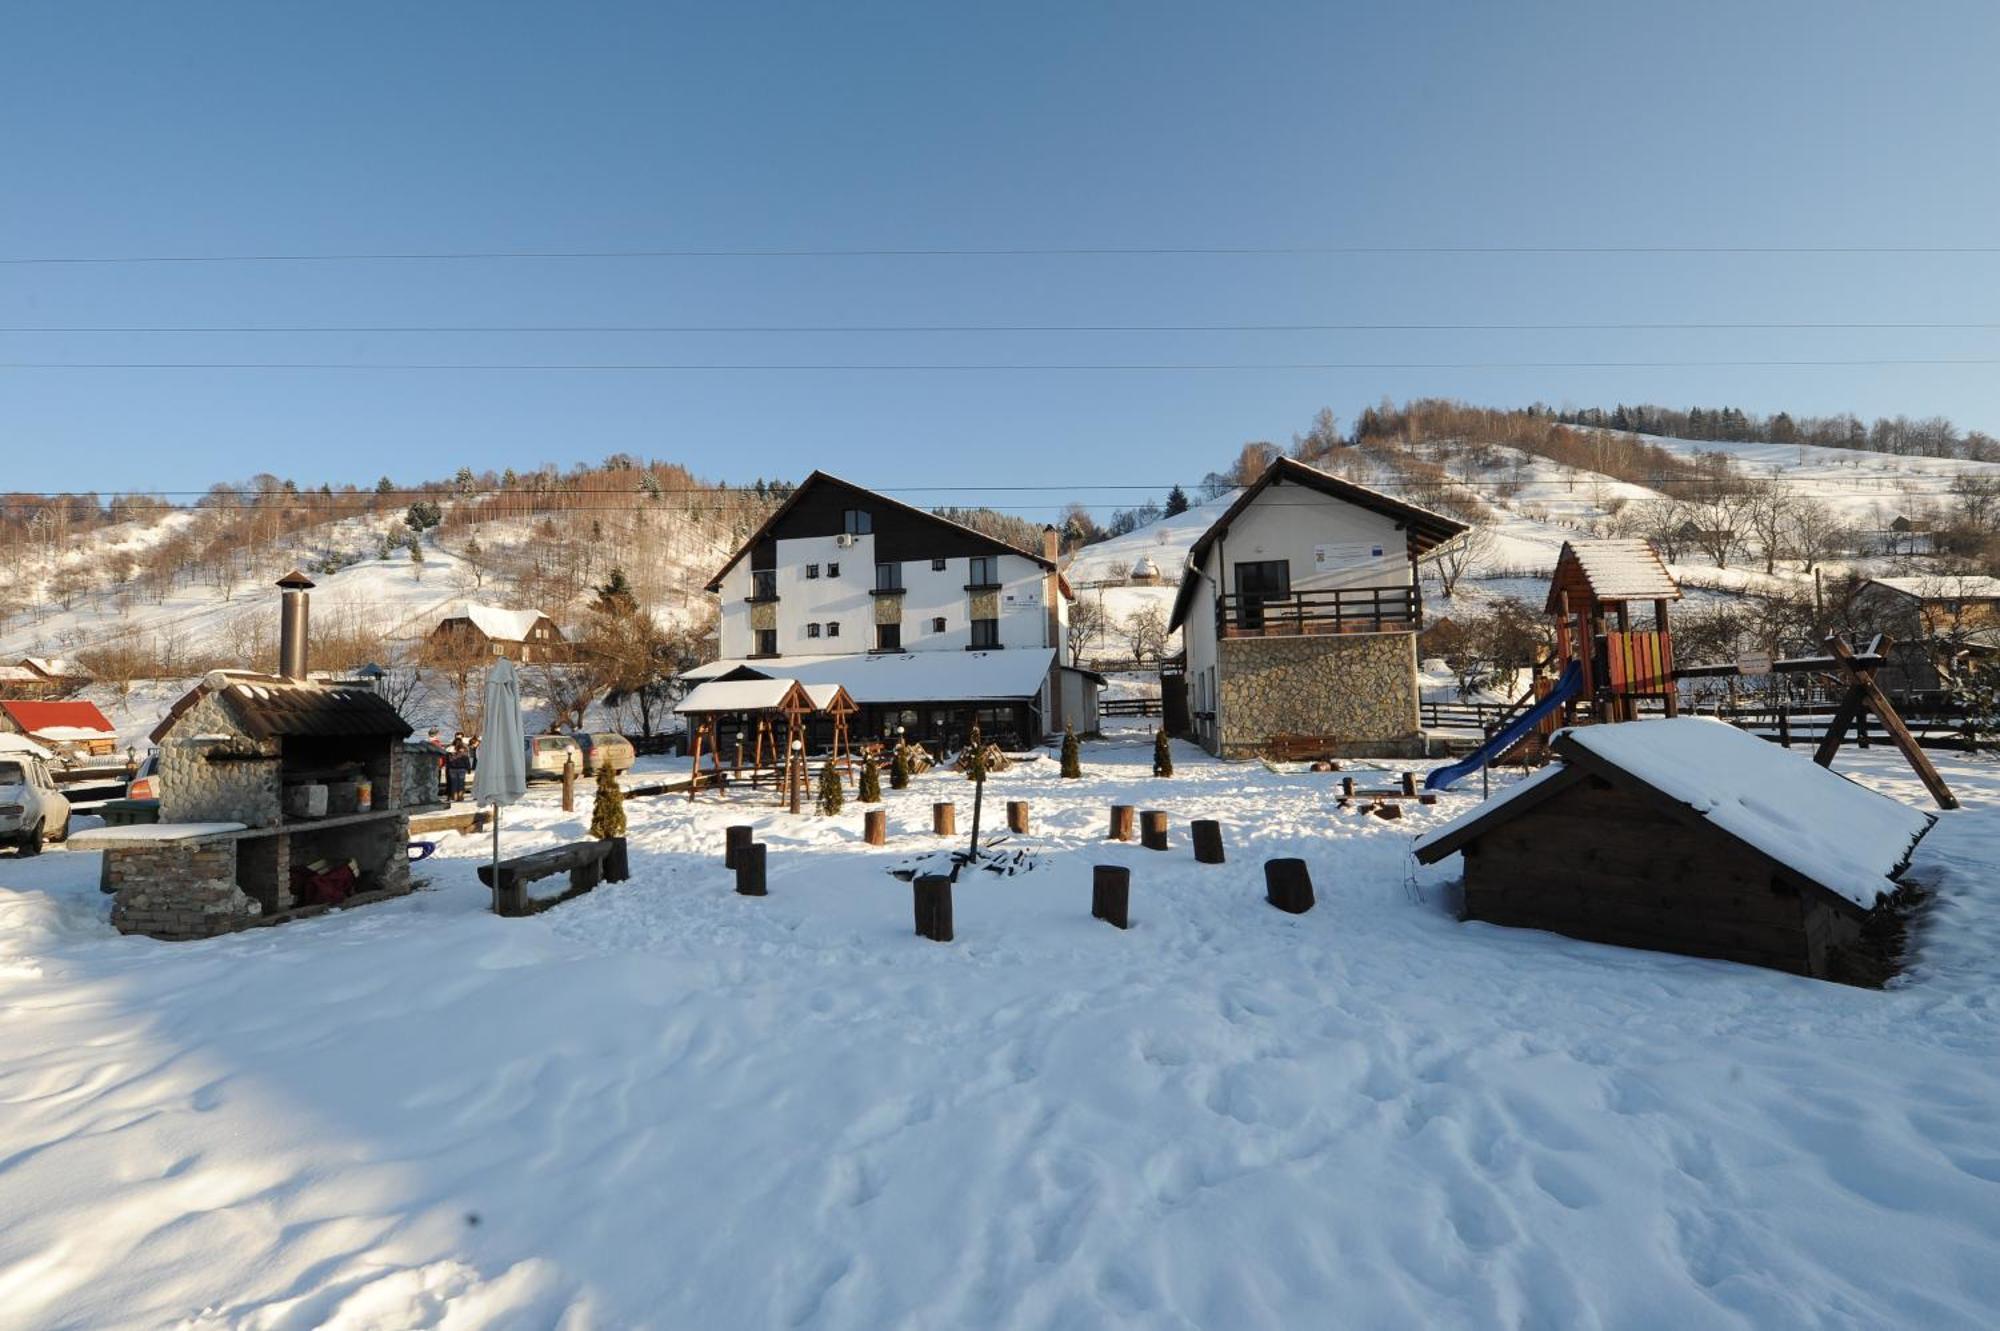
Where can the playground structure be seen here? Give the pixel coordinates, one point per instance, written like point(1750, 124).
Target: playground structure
point(1605, 669)
point(760, 704)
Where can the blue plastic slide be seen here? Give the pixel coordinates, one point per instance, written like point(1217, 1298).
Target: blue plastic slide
point(1568, 685)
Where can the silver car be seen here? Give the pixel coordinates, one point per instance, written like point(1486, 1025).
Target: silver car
point(548, 753)
point(31, 808)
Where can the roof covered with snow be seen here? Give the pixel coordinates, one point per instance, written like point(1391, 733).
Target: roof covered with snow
point(1612, 570)
point(1966, 587)
point(736, 695)
point(1808, 819)
point(59, 720)
point(12, 743)
point(496, 623)
point(892, 677)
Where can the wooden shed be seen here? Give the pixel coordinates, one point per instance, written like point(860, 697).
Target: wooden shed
point(1685, 835)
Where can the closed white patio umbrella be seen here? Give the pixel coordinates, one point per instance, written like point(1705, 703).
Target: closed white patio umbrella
point(502, 775)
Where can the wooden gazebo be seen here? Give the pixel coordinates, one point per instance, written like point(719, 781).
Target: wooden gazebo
point(765, 701)
point(1591, 597)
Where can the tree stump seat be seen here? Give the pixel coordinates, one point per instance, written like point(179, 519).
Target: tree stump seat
point(587, 862)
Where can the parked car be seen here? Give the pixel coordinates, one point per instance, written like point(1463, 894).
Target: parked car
point(145, 783)
point(603, 744)
point(31, 808)
point(548, 753)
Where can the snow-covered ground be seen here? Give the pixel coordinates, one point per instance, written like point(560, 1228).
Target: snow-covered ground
point(665, 1105)
point(1868, 489)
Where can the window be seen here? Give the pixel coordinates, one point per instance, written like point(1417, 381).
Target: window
point(764, 584)
point(767, 642)
point(812, 630)
point(888, 637)
point(812, 570)
point(888, 577)
point(985, 571)
point(937, 565)
point(937, 624)
point(833, 629)
point(856, 522)
point(833, 570)
point(985, 633)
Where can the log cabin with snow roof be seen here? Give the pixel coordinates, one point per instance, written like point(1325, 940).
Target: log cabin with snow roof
point(1299, 609)
point(527, 636)
point(929, 625)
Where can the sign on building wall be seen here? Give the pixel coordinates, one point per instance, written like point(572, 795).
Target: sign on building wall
point(1345, 554)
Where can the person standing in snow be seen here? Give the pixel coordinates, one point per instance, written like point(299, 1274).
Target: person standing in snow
point(456, 764)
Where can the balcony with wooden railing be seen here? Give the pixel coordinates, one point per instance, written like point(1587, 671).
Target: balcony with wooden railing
point(1306, 613)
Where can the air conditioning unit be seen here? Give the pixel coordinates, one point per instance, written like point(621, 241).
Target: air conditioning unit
point(844, 540)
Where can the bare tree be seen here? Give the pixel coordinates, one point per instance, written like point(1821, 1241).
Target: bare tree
point(1086, 624)
point(1814, 531)
point(1145, 631)
point(1455, 558)
point(1768, 515)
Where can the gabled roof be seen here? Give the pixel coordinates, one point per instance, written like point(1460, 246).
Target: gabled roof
point(819, 478)
point(1945, 587)
point(1426, 530)
point(1612, 570)
point(496, 623)
point(901, 677)
point(272, 707)
point(68, 720)
point(1813, 826)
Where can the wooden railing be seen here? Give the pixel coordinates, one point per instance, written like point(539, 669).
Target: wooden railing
point(1339, 610)
point(1129, 707)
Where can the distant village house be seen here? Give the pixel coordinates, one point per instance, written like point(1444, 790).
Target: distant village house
point(74, 728)
point(527, 636)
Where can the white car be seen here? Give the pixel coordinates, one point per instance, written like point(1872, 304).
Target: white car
point(31, 808)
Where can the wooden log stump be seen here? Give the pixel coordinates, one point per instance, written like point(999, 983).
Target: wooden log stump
point(1347, 787)
point(944, 818)
point(618, 864)
point(932, 894)
point(1387, 811)
point(1121, 822)
point(875, 827)
point(1017, 815)
point(735, 839)
point(1410, 784)
point(1428, 797)
point(1153, 829)
point(1288, 886)
point(569, 785)
point(1207, 840)
point(750, 870)
point(1111, 894)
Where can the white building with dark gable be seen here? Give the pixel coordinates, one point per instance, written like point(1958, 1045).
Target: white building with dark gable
point(928, 624)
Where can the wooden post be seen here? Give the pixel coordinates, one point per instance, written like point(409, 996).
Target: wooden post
point(1121, 822)
point(1347, 787)
point(618, 864)
point(1207, 840)
point(1017, 815)
point(944, 818)
point(1866, 692)
point(750, 870)
point(875, 827)
point(1288, 886)
point(737, 772)
point(1153, 829)
point(734, 839)
point(510, 896)
point(569, 785)
point(1410, 784)
point(1784, 723)
point(1111, 894)
point(932, 894)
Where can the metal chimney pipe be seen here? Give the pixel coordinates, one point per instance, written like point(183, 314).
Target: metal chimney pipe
point(292, 624)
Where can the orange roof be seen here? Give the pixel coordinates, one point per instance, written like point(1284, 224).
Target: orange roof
point(35, 717)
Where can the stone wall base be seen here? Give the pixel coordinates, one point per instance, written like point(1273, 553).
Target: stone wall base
point(1358, 691)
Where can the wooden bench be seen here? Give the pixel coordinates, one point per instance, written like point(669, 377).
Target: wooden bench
point(587, 862)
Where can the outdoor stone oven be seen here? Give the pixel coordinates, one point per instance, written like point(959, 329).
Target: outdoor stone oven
point(268, 782)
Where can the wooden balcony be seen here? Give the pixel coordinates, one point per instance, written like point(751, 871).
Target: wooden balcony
point(1305, 613)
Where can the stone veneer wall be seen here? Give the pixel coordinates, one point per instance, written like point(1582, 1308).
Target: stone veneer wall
point(177, 889)
point(1360, 689)
point(888, 610)
point(195, 790)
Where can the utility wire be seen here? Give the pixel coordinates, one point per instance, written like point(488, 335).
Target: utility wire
point(831, 367)
point(988, 252)
point(845, 329)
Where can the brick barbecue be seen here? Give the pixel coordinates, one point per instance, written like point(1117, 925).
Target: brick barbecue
point(278, 796)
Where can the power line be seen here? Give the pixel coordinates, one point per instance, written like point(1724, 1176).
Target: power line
point(1001, 328)
point(988, 252)
point(830, 367)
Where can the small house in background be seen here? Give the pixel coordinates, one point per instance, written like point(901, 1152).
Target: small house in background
point(41, 677)
point(72, 728)
point(1299, 609)
point(1689, 836)
point(527, 636)
point(1937, 626)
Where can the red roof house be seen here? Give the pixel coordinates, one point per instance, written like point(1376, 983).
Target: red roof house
point(77, 727)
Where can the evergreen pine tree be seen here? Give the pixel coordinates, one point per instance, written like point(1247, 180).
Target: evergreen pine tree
point(899, 768)
point(871, 781)
point(1177, 502)
point(607, 812)
point(1163, 755)
point(1072, 754)
point(831, 796)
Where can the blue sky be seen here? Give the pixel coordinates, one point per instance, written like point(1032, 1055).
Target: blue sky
point(256, 129)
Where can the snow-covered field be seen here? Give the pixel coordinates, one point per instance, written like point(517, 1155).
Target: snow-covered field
point(665, 1105)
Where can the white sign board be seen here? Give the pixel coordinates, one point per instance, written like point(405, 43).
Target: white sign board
point(1345, 554)
point(1757, 663)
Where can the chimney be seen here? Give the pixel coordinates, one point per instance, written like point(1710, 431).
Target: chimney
point(292, 629)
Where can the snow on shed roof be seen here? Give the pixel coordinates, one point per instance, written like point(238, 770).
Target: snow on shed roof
point(1967, 587)
point(736, 695)
point(1615, 570)
point(496, 623)
point(872, 677)
point(1843, 836)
